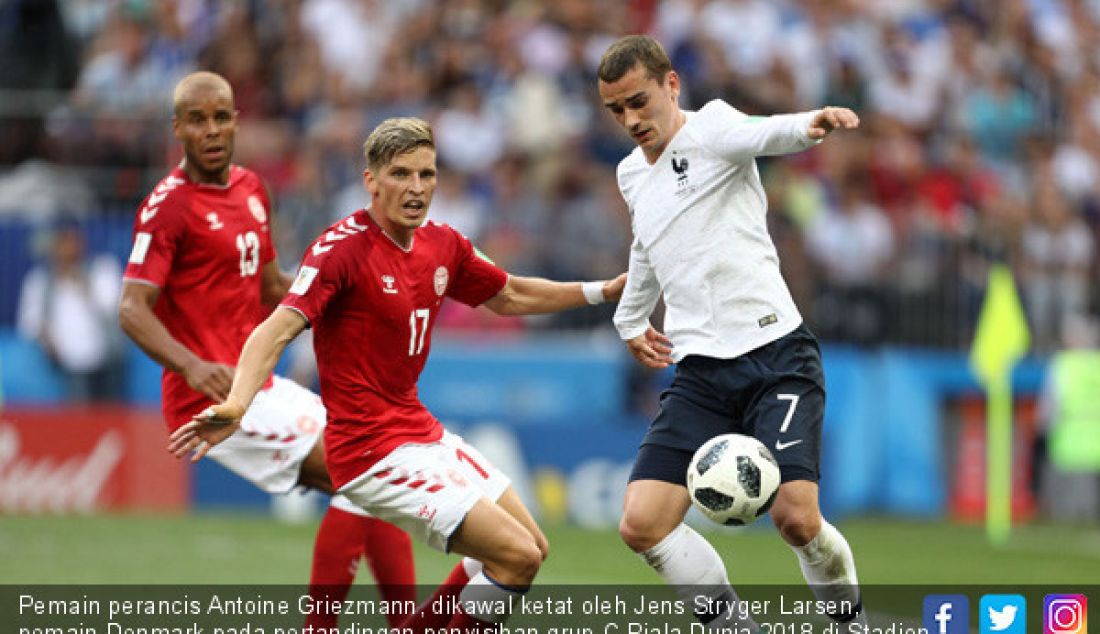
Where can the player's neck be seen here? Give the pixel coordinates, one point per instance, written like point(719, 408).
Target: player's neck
point(401, 236)
point(195, 175)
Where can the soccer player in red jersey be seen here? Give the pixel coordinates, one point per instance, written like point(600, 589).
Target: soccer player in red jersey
point(371, 288)
point(201, 275)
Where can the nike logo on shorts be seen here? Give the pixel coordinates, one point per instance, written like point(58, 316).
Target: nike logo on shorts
point(780, 445)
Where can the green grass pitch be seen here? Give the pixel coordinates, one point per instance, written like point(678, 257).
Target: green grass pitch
point(252, 549)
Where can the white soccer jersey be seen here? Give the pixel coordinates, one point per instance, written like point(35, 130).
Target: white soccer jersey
point(701, 237)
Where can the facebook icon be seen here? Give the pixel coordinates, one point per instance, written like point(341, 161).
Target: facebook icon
point(946, 614)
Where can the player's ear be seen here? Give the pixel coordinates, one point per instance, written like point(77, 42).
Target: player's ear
point(369, 183)
point(176, 127)
point(673, 84)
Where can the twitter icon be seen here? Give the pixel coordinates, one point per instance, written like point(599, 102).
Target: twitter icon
point(1003, 614)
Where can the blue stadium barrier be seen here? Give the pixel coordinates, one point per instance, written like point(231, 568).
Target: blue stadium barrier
point(540, 378)
point(560, 402)
point(18, 239)
point(27, 377)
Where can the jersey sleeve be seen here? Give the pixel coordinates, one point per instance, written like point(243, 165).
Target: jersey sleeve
point(159, 229)
point(639, 297)
point(738, 137)
point(320, 278)
point(477, 279)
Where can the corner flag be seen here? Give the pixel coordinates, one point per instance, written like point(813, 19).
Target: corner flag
point(1000, 341)
point(1002, 337)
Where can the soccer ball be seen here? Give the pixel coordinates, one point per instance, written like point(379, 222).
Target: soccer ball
point(733, 479)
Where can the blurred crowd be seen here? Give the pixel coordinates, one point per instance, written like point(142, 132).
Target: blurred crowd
point(980, 138)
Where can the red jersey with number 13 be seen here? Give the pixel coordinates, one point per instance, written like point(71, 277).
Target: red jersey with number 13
point(372, 306)
point(205, 247)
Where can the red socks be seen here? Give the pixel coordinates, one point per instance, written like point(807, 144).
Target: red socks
point(342, 539)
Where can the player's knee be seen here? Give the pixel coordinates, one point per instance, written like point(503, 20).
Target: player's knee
point(521, 563)
point(543, 545)
point(797, 525)
point(639, 535)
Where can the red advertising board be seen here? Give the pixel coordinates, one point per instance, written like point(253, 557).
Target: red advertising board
point(87, 459)
point(968, 486)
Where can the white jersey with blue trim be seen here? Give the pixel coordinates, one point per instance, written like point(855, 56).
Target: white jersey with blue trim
point(701, 236)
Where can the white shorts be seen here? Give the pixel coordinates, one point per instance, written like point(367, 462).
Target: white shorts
point(427, 489)
point(277, 432)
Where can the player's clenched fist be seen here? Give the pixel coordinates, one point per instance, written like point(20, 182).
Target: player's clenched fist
point(210, 427)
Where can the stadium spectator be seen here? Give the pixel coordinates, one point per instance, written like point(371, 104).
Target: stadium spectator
point(67, 305)
point(854, 244)
point(1058, 251)
point(374, 282)
point(701, 245)
point(925, 74)
point(203, 248)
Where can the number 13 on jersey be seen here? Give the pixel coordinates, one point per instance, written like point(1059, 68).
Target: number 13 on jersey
point(248, 244)
point(418, 327)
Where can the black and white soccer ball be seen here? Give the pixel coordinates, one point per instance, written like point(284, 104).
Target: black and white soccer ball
point(733, 479)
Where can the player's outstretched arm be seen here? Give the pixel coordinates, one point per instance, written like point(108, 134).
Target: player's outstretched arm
point(831, 118)
point(140, 323)
point(535, 295)
point(262, 350)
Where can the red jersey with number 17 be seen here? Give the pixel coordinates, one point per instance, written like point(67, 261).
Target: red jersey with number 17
point(205, 247)
point(372, 306)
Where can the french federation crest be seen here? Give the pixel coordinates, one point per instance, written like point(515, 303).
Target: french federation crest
point(440, 280)
point(257, 209)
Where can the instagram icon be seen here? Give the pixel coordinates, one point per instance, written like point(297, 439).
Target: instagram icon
point(1065, 614)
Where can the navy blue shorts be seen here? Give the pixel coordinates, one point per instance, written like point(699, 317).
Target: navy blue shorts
point(775, 393)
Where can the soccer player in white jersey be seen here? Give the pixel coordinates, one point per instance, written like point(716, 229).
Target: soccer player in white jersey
point(745, 363)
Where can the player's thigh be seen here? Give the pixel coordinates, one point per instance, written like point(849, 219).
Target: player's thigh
point(787, 419)
point(278, 435)
point(423, 489)
point(691, 413)
point(493, 536)
point(787, 406)
point(314, 472)
point(494, 484)
point(514, 506)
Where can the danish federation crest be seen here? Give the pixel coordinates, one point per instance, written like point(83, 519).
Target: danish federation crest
point(440, 280)
point(257, 209)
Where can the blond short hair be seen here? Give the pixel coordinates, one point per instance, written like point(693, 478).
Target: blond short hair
point(198, 81)
point(396, 136)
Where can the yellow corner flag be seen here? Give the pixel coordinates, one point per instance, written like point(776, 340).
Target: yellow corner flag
point(1000, 341)
point(1002, 337)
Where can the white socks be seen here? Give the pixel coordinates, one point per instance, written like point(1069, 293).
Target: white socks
point(830, 570)
point(485, 600)
point(689, 564)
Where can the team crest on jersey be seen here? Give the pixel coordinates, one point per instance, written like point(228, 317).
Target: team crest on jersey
point(680, 166)
point(387, 284)
point(257, 209)
point(440, 280)
point(215, 223)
